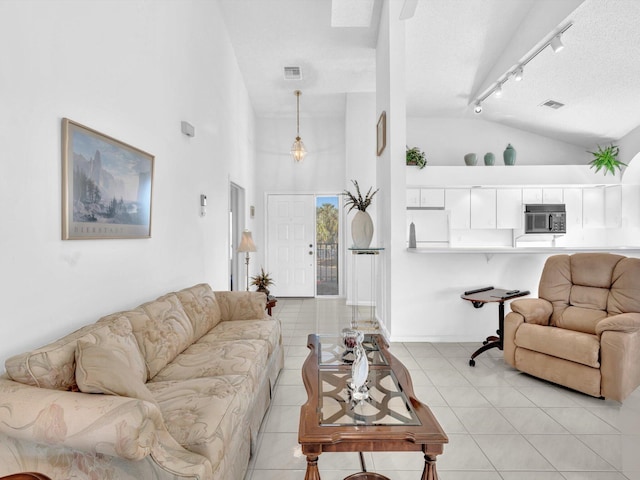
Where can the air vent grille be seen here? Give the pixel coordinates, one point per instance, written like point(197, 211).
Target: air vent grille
point(292, 73)
point(552, 104)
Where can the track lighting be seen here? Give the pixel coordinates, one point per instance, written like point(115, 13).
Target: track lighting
point(518, 73)
point(556, 43)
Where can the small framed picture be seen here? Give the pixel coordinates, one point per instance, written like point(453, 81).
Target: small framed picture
point(381, 133)
point(106, 186)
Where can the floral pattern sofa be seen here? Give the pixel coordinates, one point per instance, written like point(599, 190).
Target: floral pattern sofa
point(175, 388)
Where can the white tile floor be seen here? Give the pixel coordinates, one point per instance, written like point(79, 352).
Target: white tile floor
point(502, 424)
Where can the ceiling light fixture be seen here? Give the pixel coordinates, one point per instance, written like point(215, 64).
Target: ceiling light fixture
point(518, 72)
point(298, 152)
point(556, 43)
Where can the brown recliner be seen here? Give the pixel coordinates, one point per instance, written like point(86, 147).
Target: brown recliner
point(583, 331)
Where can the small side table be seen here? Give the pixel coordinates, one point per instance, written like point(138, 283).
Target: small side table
point(486, 295)
point(271, 302)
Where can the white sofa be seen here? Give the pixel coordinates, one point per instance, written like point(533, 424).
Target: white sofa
point(176, 388)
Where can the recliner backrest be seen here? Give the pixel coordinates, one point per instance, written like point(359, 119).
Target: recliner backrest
point(579, 287)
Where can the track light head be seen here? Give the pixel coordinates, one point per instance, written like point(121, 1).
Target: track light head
point(556, 43)
point(498, 90)
point(478, 108)
point(518, 73)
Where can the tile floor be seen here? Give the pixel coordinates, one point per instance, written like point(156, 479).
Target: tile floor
point(502, 424)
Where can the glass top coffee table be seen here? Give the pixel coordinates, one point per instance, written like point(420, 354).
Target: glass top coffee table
point(392, 419)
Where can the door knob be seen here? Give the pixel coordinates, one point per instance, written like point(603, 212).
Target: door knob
point(310, 253)
point(310, 245)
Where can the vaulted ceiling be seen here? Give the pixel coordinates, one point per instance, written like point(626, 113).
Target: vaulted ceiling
point(455, 51)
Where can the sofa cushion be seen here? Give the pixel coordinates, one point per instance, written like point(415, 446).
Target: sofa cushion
point(577, 347)
point(204, 414)
point(162, 329)
point(589, 297)
point(593, 269)
point(101, 369)
point(268, 330)
point(580, 319)
point(200, 360)
point(53, 366)
point(201, 306)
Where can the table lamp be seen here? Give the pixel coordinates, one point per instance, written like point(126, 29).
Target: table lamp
point(247, 245)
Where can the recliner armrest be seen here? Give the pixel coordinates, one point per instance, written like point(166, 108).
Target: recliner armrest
point(624, 322)
point(533, 310)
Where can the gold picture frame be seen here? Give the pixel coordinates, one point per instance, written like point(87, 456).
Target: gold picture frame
point(107, 186)
point(381, 133)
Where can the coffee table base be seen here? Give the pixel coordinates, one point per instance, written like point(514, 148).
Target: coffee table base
point(429, 472)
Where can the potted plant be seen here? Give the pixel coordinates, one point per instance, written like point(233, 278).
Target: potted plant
point(416, 157)
point(361, 225)
point(607, 158)
point(263, 280)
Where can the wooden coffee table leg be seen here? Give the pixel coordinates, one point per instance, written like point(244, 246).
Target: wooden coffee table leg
point(312, 468)
point(429, 472)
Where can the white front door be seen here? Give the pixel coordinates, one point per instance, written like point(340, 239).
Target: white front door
point(291, 239)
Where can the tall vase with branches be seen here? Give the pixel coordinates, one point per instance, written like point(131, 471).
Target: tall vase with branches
point(361, 225)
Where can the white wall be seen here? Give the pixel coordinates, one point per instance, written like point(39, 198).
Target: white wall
point(132, 70)
point(322, 171)
point(445, 141)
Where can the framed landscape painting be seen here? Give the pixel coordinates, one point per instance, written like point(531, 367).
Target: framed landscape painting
point(106, 186)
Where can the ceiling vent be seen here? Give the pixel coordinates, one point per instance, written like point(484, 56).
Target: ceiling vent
point(552, 104)
point(292, 73)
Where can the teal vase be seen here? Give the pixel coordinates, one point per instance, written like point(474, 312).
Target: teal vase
point(489, 158)
point(470, 159)
point(509, 155)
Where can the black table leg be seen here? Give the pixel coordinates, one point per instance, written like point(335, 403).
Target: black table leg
point(492, 342)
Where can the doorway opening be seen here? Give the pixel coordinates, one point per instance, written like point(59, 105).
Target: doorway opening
point(327, 245)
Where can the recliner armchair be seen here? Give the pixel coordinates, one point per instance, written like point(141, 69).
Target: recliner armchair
point(583, 331)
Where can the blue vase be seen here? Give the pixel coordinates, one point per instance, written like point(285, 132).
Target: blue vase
point(470, 159)
point(509, 155)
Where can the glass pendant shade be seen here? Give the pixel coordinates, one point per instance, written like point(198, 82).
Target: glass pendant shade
point(298, 152)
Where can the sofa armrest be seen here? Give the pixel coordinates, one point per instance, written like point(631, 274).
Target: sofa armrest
point(242, 305)
point(624, 322)
point(125, 427)
point(533, 310)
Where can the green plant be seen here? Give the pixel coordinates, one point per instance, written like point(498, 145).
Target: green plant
point(416, 157)
point(607, 158)
point(262, 280)
point(356, 201)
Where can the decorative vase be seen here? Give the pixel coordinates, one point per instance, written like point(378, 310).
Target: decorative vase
point(359, 374)
point(509, 155)
point(470, 159)
point(361, 229)
point(489, 158)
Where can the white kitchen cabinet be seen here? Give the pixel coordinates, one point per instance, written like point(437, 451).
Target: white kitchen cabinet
point(483, 208)
point(613, 206)
point(531, 195)
point(593, 207)
point(573, 203)
point(432, 197)
point(552, 195)
point(413, 197)
point(458, 202)
point(509, 210)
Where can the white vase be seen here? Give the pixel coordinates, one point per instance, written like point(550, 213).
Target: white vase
point(359, 374)
point(361, 230)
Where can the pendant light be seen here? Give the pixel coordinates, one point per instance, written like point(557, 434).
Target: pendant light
point(298, 151)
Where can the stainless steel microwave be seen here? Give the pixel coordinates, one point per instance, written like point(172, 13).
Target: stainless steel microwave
point(545, 218)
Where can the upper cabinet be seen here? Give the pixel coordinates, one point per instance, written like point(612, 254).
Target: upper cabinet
point(483, 208)
point(429, 198)
point(458, 202)
point(509, 209)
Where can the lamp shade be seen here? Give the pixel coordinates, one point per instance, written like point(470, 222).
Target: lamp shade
point(246, 244)
point(298, 152)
